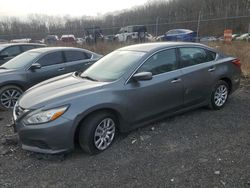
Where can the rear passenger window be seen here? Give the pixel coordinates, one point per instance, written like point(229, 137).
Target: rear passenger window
point(160, 62)
point(75, 55)
point(194, 56)
point(51, 59)
point(211, 55)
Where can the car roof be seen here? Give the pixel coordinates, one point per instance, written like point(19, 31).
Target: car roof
point(154, 46)
point(14, 44)
point(51, 49)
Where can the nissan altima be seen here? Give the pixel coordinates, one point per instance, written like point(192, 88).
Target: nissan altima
point(124, 90)
point(37, 65)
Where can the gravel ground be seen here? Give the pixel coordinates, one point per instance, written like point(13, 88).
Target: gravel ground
point(201, 148)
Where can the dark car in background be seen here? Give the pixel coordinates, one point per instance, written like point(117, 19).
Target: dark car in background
point(124, 90)
point(37, 65)
point(10, 50)
point(184, 35)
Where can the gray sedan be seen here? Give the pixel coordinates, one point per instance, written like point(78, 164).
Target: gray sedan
point(37, 65)
point(126, 89)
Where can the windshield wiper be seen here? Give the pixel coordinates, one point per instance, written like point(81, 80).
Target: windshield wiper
point(89, 78)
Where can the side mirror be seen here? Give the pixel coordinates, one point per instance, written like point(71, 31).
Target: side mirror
point(143, 76)
point(35, 66)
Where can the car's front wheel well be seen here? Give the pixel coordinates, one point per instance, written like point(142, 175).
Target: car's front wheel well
point(229, 82)
point(109, 110)
point(16, 85)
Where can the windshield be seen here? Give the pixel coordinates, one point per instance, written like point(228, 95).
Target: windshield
point(112, 66)
point(21, 60)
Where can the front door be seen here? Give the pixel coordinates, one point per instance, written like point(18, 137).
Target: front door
point(52, 65)
point(162, 94)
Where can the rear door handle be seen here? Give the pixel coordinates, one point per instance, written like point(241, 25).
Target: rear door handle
point(211, 69)
point(61, 69)
point(176, 80)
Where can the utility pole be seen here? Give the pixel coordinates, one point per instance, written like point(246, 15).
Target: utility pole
point(198, 26)
point(156, 26)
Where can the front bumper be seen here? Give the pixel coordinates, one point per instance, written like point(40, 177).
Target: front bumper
point(50, 138)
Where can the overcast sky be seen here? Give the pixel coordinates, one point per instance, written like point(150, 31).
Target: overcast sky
point(64, 7)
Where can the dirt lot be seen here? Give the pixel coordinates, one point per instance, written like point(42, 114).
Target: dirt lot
point(201, 148)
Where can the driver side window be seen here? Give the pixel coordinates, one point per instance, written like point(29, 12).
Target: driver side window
point(160, 62)
point(51, 59)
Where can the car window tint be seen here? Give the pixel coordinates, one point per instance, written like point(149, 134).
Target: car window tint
point(51, 59)
point(28, 47)
point(76, 55)
point(160, 62)
point(211, 55)
point(11, 51)
point(193, 56)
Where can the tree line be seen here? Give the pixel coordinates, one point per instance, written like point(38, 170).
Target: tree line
point(159, 17)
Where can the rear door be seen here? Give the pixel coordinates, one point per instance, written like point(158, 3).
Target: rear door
point(197, 73)
point(77, 60)
point(52, 65)
point(164, 93)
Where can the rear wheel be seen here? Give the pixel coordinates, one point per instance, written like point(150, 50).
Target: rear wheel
point(97, 132)
point(9, 96)
point(219, 95)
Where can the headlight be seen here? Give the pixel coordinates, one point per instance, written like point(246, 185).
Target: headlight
point(38, 117)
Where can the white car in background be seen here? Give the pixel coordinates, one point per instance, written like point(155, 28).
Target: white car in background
point(208, 39)
point(131, 33)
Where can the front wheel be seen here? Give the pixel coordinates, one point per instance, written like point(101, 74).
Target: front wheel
point(9, 96)
point(97, 132)
point(219, 95)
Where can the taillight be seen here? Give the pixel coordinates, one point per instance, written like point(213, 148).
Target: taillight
point(237, 63)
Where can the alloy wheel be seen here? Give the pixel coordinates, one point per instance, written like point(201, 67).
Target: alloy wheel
point(9, 97)
point(104, 133)
point(220, 95)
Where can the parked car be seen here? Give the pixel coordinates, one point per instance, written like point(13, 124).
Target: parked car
point(37, 65)
point(208, 39)
point(3, 41)
point(51, 39)
point(10, 50)
point(68, 39)
point(179, 35)
point(245, 36)
point(132, 33)
point(24, 40)
point(109, 38)
point(124, 90)
point(93, 35)
point(80, 41)
point(234, 36)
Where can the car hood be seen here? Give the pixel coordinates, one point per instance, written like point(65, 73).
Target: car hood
point(57, 90)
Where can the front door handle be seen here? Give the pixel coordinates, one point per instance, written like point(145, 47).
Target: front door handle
point(61, 69)
point(211, 69)
point(176, 80)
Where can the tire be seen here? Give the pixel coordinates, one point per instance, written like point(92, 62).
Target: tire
point(90, 140)
point(11, 91)
point(219, 95)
